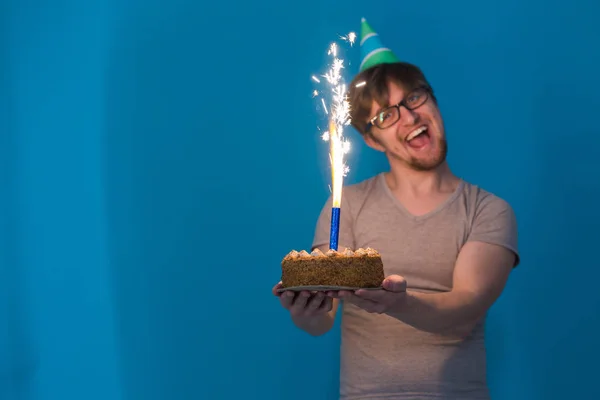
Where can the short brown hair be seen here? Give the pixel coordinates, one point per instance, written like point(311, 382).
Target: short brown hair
point(375, 88)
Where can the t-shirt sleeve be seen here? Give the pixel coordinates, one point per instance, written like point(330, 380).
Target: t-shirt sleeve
point(495, 222)
point(323, 228)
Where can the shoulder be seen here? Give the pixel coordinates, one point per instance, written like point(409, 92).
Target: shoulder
point(484, 202)
point(356, 194)
point(353, 196)
point(363, 186)
point(492, 219)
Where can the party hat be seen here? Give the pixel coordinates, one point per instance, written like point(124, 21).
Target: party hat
point(372, 51)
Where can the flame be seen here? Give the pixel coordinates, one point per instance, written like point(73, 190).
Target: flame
point(338, 114)
point(336, 158)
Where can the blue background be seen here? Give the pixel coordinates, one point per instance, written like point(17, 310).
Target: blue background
point(159, 158)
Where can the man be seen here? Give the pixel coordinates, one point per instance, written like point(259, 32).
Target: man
point(447, 247)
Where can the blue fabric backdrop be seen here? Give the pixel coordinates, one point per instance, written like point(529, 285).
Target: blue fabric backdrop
point(159, 158)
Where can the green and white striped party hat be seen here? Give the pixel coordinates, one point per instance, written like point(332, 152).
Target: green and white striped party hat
point(372, 51)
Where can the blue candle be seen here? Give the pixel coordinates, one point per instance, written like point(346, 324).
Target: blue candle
point(335, 228)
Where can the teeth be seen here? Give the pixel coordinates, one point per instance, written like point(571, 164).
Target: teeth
point(415, 133)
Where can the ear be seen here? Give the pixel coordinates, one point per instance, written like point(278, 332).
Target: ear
point(373, 143)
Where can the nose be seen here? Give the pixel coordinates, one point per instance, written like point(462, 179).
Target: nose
point(408, 117)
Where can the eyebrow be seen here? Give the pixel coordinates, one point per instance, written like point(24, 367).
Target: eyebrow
point(390, 105)
point(380, 110)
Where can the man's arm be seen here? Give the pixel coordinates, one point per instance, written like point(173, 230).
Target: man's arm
point(480, 275)
point(303, 313)
point(316, 325)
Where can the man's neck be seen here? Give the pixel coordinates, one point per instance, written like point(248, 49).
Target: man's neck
point(409, 182)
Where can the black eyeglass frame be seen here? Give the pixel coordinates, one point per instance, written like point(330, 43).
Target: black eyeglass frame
point(423, 89)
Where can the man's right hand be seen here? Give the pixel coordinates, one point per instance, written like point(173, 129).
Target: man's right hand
point(304, 304)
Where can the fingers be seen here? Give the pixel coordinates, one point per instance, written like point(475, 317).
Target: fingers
point(287, 299)
point(394, 283)
point(377, 296)
point(364, 303)
point(316, 301)
point(383, 300)
point(276, 288)
point(326, 304)
point(300, 301)
point(305, 303)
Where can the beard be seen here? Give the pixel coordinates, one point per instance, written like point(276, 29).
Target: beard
point(432, 162)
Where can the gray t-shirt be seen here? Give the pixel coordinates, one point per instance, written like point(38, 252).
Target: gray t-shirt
point(381, 357)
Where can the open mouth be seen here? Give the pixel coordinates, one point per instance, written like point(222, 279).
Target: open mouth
point(418, 138)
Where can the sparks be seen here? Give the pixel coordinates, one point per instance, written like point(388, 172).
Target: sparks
point(337, 109)
point(346, 146)
point(350, 38)
point(333, 49)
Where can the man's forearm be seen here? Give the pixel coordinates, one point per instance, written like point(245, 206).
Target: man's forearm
point(315, 326)
point(443, 313)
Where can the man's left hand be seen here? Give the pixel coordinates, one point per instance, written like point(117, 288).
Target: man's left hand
point(389, 299)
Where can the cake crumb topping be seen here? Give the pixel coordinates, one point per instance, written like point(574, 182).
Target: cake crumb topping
point(317, 253)
point(303, 253)
point(292, 255)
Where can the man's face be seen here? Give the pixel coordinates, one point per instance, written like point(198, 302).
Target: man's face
point(417, 139)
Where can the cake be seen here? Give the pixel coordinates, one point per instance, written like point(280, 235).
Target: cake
point(362, 268)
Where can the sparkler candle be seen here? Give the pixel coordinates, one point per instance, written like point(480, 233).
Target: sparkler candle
point(338, 118)
point(337, 180)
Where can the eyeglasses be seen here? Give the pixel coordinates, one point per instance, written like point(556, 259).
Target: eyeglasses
point(390, 115)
